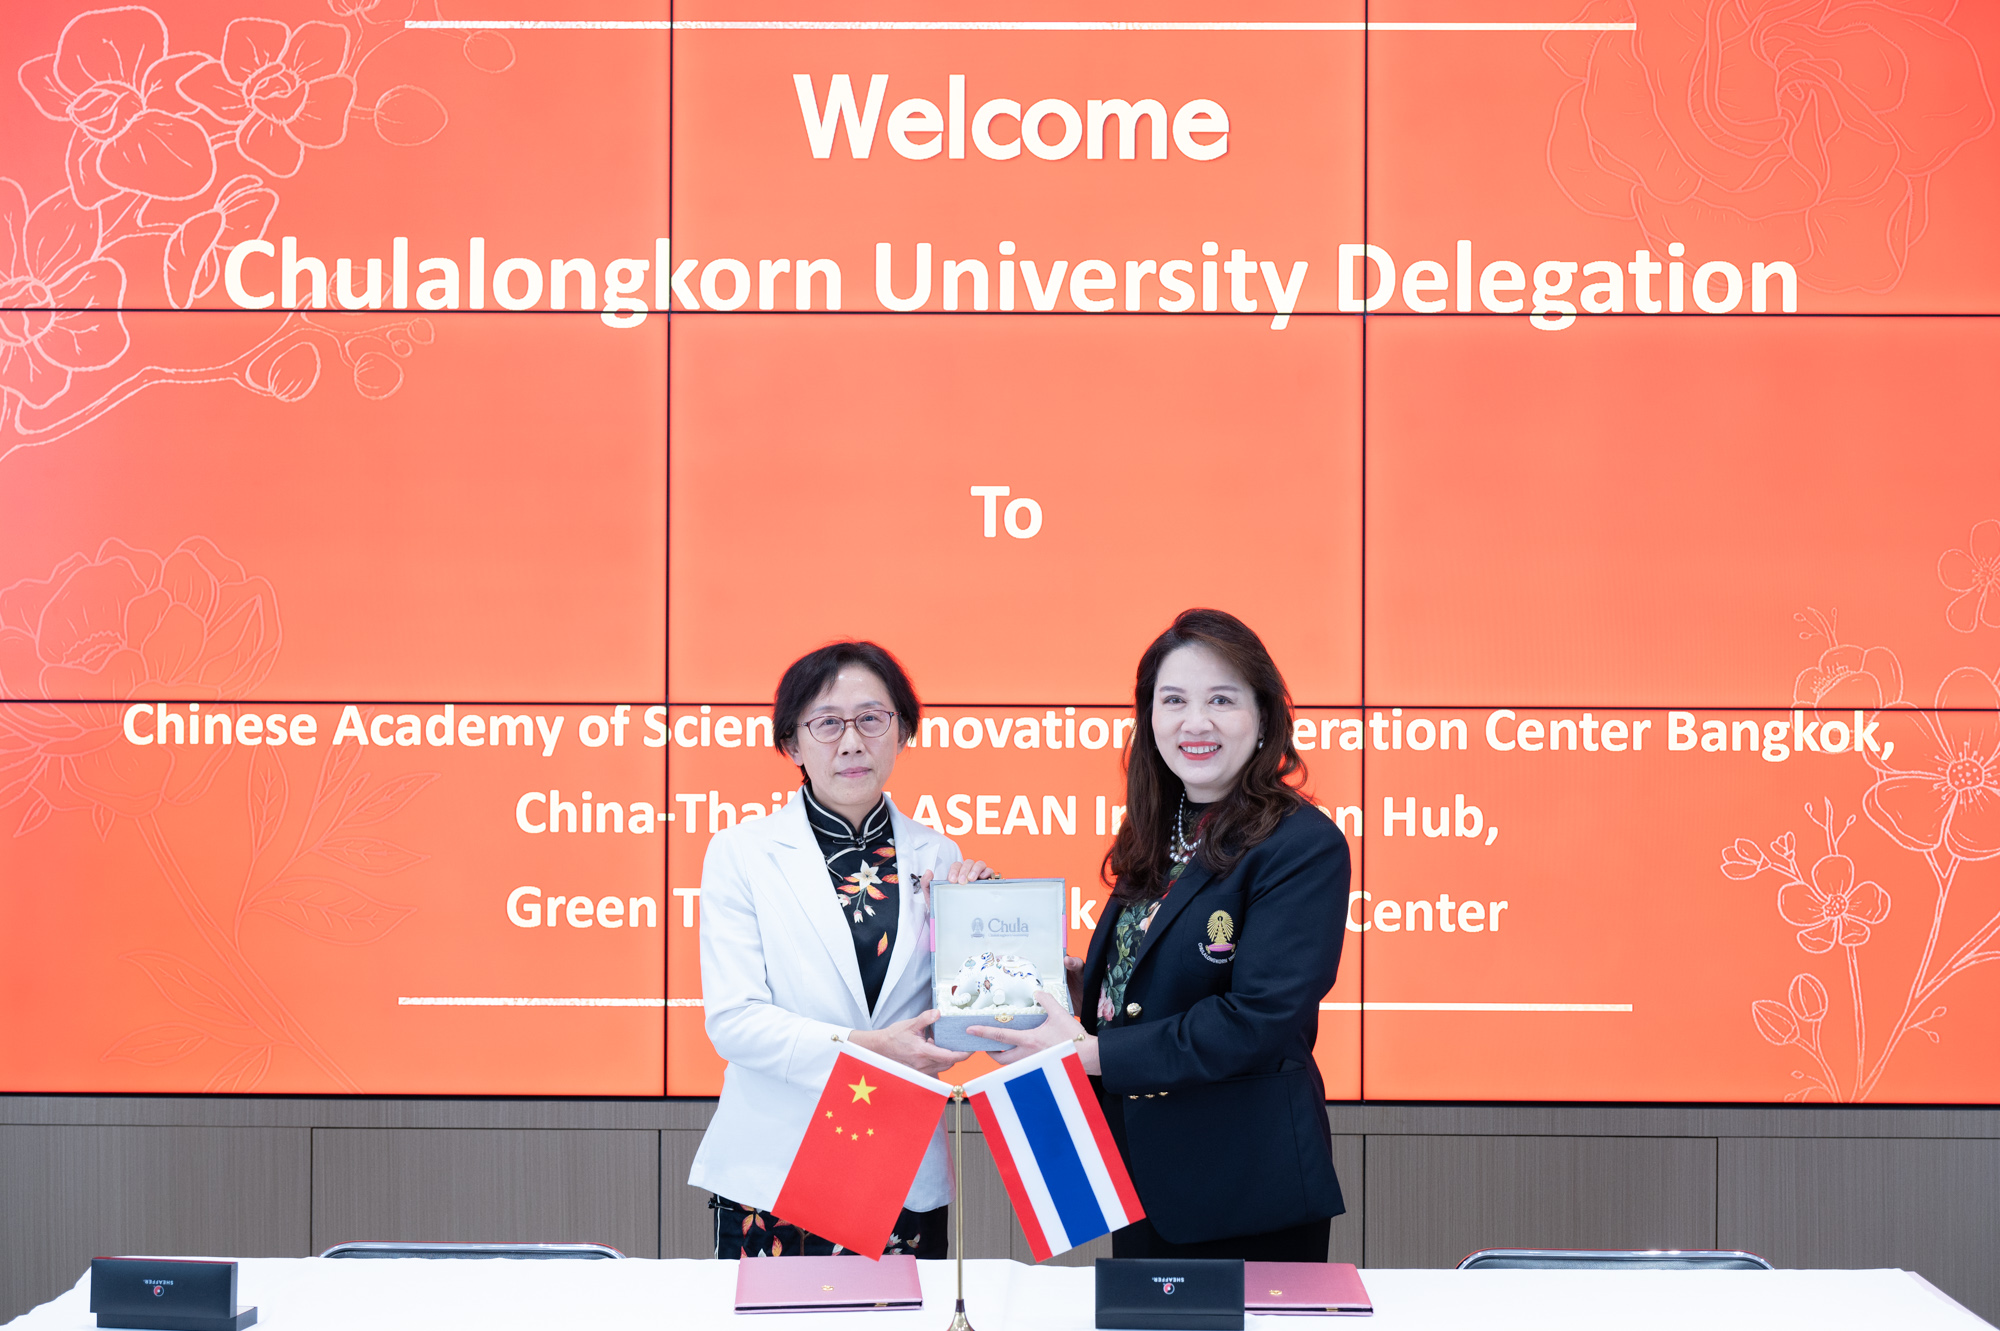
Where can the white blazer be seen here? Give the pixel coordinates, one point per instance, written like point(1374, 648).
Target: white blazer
point(780, 986)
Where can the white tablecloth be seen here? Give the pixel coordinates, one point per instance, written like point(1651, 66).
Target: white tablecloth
point(311, 1294)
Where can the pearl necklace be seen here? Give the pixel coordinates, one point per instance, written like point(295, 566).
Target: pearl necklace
point(1182, 850)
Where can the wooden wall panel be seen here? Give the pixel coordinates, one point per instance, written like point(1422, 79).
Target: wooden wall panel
point(1345, 1245)
point(990, 1230)
point(687, 1226)
point(1350, 1230)
point(487, 1186)
point(68, 1194)
point(1086, 1255)
point(82, 1175)
point(1941, 1122)
point(1432, 1200)
point(1928, 1206)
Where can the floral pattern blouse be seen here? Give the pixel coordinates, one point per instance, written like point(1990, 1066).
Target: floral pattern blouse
point(744, 1231)
point(1126, 937)
point(1129, 933)
point(862, 863)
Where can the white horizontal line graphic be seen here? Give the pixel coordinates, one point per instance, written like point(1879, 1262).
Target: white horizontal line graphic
point(541, 1002)
point(606, 24)
point(996, 25)
point(1323, 1007)
point(1475, 1007)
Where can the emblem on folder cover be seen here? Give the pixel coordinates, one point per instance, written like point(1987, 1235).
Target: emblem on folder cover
point(1220, 947)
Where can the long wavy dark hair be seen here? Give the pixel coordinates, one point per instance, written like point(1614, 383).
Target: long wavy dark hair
point(1137, 864)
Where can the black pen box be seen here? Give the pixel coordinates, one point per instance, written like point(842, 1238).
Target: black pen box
point(1150, 1294)
point(158, 1294)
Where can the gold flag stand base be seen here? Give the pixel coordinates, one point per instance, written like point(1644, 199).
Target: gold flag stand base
point(958, 1319)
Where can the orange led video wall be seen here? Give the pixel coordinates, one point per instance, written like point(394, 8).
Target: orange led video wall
point(426, 437)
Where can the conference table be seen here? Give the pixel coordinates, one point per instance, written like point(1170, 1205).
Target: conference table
point(417, 1294)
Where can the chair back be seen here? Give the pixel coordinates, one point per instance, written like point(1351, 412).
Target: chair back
point(1612, 1259)
point(531, 1251)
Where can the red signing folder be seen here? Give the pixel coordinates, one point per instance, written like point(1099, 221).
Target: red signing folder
point(1305, 1288)
point(827, 1284)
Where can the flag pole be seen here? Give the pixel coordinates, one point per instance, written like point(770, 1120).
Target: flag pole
point(958, 1321)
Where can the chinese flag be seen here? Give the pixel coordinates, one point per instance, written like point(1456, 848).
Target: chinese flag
point(862, 1148)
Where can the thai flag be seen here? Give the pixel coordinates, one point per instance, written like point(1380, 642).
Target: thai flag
point(1054, 1151)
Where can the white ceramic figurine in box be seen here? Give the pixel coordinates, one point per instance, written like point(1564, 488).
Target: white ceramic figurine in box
point(993, 942)
point(994, 980)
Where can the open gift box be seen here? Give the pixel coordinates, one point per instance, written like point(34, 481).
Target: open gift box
point(995, 943)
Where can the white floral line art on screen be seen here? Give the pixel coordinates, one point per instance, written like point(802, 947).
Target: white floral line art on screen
point(130, 624)
point(170, 163)
point(1820, 123)
point(1974, 574)
point(1935, 793)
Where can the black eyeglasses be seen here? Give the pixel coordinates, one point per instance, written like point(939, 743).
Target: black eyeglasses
point(869, 725)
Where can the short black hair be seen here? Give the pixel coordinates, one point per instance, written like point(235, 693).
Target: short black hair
point(808, 677)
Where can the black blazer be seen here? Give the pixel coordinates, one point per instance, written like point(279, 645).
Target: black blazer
point(1208, 1075)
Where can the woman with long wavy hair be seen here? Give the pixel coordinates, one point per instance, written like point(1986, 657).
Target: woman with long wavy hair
point(1200, 993)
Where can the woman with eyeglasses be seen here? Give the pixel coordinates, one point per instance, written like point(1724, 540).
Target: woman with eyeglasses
point(1200, 993)
point(814, 929)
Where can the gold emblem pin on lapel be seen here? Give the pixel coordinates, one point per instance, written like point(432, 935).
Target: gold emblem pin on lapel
point(1221, 944)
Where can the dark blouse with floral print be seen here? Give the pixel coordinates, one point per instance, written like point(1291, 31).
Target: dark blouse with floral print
point(862, 863)
point(1129, 933)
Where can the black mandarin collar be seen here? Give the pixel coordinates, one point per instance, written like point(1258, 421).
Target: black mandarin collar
point(829, 826)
